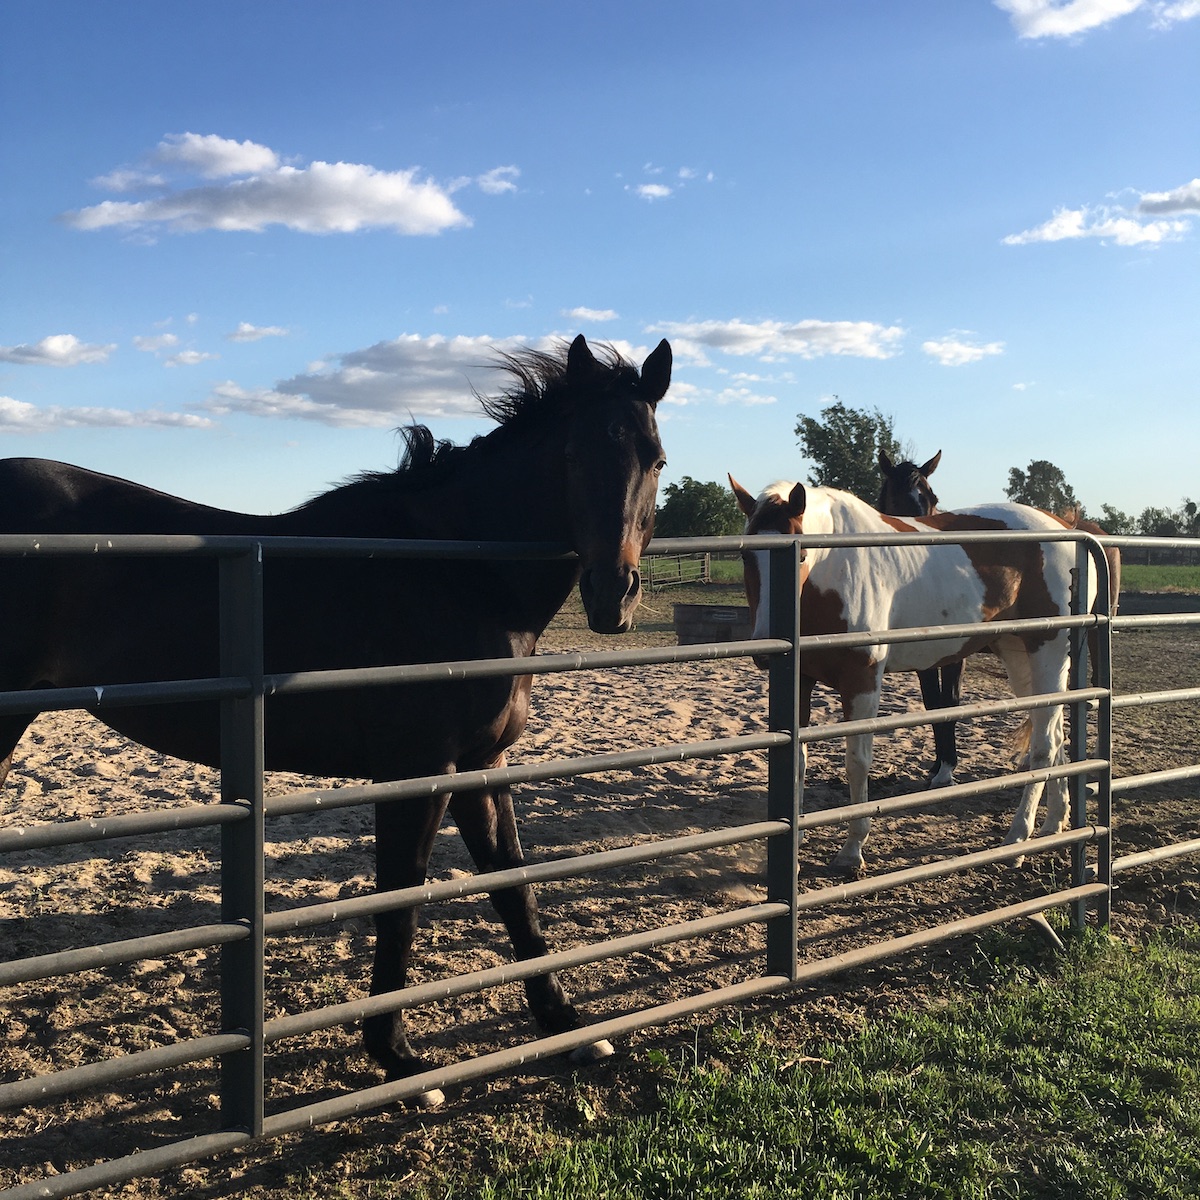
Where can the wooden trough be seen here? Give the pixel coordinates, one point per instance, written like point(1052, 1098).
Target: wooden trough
point(711, 623)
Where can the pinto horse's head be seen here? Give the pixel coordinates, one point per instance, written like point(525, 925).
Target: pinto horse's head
point(905, 490)
point(780, 509)
point(613, 458)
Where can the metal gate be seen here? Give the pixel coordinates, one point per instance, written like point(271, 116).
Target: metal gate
point(242, 814)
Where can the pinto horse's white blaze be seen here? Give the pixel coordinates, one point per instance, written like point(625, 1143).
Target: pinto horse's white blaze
point(852, 589)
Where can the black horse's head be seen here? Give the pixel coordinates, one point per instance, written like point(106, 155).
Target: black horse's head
point(612, 459)
point(905, 491)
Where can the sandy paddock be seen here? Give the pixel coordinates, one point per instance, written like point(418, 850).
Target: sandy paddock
point(72, 767)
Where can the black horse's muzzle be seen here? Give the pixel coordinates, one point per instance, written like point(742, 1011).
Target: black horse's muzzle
point(610, 597)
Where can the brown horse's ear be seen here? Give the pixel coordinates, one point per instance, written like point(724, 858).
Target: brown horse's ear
point(931, 466)
point(580, 360)
point(796, 501)
point(885, 462)
point(656, 373)
point(745, 501)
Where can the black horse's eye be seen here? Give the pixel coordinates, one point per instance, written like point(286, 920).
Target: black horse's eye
point(658, 466)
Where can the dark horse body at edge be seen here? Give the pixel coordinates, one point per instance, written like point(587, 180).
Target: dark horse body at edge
point(574, 461)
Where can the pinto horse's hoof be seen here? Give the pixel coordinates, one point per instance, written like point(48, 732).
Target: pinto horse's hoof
point(584, 1056)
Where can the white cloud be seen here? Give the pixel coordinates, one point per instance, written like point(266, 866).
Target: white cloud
point(160, 341)
point(245, 332)
point(1103, 223)
point(954, 352)
point(770, 339)
point(215, 157)
point(248, 188)
point(652, 191)
point(743, 396)
point(591, 314)
point(1052, 18)
point(1178, 200)
point(57, 350)
point(189, 358)
point(1166, 15)
point(499, 180)
point(410, 378)
point(18, 416)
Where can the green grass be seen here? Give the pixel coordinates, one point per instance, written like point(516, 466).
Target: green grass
point(1077, 1077)
point(1138, 577)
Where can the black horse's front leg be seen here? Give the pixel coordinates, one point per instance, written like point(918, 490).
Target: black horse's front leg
point(941, 688)
point(404, 836)
point(488, 826)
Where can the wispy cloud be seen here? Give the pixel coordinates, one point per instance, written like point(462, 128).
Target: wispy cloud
point(190, 358)
point(245, 332)
point(954, 351)
point(244, 186)
point(1106, 224)
point(57, 350)
point(153, 343)
point(591, 314)
point(1066, 18)
point(412, 377)
point(778, 339)
point(653, 191)
point(1052, 18)
point(18, 416)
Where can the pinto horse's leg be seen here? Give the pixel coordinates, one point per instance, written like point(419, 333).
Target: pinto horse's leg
point(1044, 670)
point(488, 826)
point(940, 688)
point(861, 707)
point(404, 836)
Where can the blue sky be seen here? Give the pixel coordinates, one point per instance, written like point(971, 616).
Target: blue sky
point(241, 243)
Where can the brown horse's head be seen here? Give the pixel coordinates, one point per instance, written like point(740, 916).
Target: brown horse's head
point(612, 458)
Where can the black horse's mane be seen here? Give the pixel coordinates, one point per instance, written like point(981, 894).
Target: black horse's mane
point(529, 402)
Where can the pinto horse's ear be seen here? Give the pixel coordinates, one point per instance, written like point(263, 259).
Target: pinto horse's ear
point(745, 501)
point(580, 360)
point(931, 466)
point(796, 501)
point(885, 462)
point(656, 373)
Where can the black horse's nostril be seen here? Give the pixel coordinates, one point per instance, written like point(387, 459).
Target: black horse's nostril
point(635, 583)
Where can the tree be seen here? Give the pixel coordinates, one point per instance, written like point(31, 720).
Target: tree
point(845, 444)
point(692, 509)
point(1043, 486)
point(1116, 522)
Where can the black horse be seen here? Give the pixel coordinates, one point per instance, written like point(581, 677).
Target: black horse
point(574, 461)
point(905, 492)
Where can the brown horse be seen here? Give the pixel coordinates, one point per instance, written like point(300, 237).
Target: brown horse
point(574, 461)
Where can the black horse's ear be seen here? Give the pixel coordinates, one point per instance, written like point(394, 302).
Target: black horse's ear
point(656, 373)
point(885, 462)
point(931, 466)
point(580, 360)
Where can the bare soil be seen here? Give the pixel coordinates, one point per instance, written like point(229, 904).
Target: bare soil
point(70, 766)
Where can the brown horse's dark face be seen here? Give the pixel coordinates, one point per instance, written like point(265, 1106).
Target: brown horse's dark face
point(613, 458)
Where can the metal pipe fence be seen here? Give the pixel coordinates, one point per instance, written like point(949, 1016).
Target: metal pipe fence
point(242, 814)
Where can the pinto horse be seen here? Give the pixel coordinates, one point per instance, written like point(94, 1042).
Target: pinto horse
point(574, 461)
point(852, 589)
point(905, 492)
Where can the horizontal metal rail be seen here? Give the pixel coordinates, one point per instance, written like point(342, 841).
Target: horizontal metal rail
point(100, 829)
point(1127, 862)
point(113, 1070)
point(1141, 699)
point(111, 954)
point(1129, 783)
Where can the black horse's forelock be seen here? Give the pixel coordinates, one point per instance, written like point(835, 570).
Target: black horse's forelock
point(537, 376)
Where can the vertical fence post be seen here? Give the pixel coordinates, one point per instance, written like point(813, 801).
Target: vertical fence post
point(1103, 674)
point(785, 763)
point(1078, 740)
point(242, 970)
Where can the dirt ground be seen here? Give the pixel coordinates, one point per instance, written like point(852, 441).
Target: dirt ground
point(70, 766)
